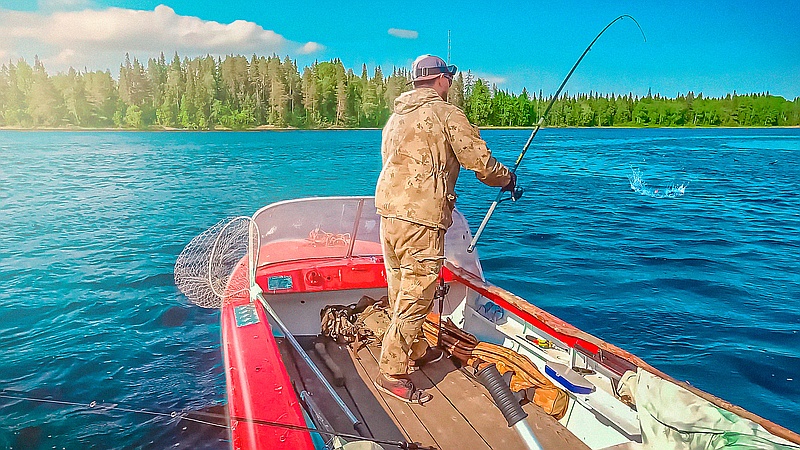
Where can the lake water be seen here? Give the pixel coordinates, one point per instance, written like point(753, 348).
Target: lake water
point(680, 246)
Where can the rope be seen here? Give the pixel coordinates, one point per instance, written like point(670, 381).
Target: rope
point(319, 236)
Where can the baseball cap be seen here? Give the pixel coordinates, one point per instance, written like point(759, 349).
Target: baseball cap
point(428, 67)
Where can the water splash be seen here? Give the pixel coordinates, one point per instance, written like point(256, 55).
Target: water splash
point(640, 186)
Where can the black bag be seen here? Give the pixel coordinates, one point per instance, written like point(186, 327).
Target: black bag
point(364, 322)
point(338, 323)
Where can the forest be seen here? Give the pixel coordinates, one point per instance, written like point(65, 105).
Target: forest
point(237, 93)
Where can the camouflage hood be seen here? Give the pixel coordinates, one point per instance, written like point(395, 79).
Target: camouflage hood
point(409, 101)
point(424, 144)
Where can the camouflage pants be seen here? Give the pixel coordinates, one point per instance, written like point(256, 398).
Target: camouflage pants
point(413, 255)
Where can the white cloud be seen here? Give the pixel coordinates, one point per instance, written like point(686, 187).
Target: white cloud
point(403, 34)
point(310, 47)
point(100, 38)
point(65, 56)
point(491, 79)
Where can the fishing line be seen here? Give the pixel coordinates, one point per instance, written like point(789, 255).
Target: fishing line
point(399, 444)
point(105, 407)
point(108, 407)
point(539, 124)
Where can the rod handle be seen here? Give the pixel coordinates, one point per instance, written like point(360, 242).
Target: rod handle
point(471, 247)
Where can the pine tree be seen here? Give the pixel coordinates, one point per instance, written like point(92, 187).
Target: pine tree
point(45, 105)
point(480, 104)
point(341, 94)
point(456, 93)
point(5, 87)
point(157, 79)
point(278, 97)
point(309, 88)
point(72, 89)
point(102, 97)
point(370, 103)
point(20, 79)
point(294, 90)
point(171, 92)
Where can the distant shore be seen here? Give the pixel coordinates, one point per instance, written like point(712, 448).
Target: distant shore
point(284, 129)
point(239, 92)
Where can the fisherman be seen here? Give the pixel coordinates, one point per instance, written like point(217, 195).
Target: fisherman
point(424, 144)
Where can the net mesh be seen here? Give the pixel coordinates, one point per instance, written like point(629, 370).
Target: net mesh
point(216, 264)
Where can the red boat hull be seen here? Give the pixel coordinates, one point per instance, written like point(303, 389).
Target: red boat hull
point(262, 404)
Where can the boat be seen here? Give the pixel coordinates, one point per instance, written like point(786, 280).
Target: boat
point(274, 273)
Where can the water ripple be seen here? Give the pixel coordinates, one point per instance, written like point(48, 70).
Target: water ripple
point(703, 286)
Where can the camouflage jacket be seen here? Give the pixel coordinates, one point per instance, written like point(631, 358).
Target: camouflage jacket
point(425, 142)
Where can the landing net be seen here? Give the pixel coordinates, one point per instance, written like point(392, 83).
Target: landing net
point(218, 263)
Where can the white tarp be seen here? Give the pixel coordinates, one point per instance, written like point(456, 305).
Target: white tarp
point(672, 418)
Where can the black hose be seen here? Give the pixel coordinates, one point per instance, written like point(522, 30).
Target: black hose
point(491, 379)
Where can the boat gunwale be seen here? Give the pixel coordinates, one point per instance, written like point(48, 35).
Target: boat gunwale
point(517, 305)
point(576, 338)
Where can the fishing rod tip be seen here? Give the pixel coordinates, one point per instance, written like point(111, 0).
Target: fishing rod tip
point(636, 22)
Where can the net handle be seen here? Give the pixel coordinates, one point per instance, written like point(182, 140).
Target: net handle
point(251, 266)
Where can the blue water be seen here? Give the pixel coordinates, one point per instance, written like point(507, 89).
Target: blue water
point(704, 285)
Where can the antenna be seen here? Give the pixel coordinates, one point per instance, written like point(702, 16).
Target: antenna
point(448, 47)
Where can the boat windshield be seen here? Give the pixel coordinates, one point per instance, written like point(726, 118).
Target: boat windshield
point(340, 227)
point(332, 227)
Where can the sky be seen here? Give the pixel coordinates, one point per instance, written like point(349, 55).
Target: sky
point(710, 47)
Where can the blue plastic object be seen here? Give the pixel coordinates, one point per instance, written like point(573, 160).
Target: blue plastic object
point(571, 380)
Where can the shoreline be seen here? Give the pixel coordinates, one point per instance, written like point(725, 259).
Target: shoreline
point(285, 129)
point(180, 130)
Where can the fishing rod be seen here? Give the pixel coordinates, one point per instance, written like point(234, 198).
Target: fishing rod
point(515, 195)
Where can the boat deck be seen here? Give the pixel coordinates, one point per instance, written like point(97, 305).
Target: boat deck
point(460, 414)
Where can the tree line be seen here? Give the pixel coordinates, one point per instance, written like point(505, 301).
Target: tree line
point(235, 92)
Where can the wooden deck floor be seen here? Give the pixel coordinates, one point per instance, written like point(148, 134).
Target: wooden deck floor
point(460, 415)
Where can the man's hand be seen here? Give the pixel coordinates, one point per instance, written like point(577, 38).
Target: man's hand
point(511, 184)
point(516, 192)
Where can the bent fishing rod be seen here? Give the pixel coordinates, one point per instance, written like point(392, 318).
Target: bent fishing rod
point(518, 191)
